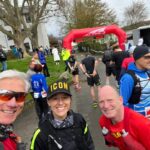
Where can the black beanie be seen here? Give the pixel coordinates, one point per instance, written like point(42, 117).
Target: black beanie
point(140, 51)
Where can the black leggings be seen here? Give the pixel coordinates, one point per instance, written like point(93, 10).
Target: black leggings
point(41, 107)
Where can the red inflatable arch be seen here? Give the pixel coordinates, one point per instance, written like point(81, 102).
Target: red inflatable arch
point(97, 32)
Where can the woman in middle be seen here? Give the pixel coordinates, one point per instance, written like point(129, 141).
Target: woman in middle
point(62, 128)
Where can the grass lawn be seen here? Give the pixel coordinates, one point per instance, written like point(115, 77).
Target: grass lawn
point(22, 65)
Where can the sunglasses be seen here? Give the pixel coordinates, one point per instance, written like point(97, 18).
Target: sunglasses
point(6, 95)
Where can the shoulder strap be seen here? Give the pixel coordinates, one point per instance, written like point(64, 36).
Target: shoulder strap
point(132, 73)
point(79, 122)
point(34, 138)
point(136, 92)
point(148, 73)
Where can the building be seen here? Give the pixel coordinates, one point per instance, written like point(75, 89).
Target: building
point(141, 32)
point(8, 43)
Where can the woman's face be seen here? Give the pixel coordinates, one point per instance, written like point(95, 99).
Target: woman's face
point(60, 105)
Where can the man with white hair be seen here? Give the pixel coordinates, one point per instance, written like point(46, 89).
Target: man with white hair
point(14, 87)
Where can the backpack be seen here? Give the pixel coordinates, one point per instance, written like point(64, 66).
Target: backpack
point(136, 93)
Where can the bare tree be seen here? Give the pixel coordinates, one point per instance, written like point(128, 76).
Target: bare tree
point(86, 13)
point(135, 13)
point(13, 14)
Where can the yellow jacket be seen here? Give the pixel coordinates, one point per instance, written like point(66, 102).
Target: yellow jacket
point(65, 53)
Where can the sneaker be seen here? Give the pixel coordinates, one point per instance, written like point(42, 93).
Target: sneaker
point(94, 104)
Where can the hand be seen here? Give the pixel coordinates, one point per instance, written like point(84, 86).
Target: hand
point(87, 75)
point(44, 94)
point(94, 73)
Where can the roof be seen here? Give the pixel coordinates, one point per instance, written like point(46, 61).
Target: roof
point(144, 27)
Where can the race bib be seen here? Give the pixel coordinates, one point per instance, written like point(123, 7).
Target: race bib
point(36, 95)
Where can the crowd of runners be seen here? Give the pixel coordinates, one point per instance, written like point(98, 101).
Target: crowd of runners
point(125, 108)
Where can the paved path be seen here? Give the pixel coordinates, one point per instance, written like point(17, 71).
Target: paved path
point(27, 122)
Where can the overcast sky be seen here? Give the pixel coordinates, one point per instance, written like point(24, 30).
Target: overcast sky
point(117, 5)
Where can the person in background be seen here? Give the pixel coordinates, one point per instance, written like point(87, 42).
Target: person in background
point(43, 61)
point(15, 51)
point(65, 53)
point(74, 47)
point(109, 64)
point(35, 58)
point(135, 83)
point(46, 50)
point(3, 59)
point(55, 55)
point(14, 87)
point(21, 54)
point(122, 127)
point(33, 62)
point(118, 57)
point(88, 66)
point(62, 128)
point(127, 61)
point(73, 66)
point(40, 89)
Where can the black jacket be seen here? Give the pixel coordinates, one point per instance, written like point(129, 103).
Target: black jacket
point(3, 56)
point(118, 58)
point(76, 137)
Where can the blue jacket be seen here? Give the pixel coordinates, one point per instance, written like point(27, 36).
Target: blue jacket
point(38, 83)
point(127, 85)
point(42, 57)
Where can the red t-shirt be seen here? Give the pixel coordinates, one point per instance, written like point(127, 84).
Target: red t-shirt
point(126, 62)
point(134, 123)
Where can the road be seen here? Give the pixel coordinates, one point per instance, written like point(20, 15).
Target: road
point(28, 121)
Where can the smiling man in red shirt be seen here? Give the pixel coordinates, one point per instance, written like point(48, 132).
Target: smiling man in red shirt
point(121, 126)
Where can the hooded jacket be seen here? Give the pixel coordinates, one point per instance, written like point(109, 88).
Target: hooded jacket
point(127, 85)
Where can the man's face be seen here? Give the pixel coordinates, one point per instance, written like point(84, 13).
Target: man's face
point(143, 62)
point(110, 103)
point(60, 105)
point(10, 108)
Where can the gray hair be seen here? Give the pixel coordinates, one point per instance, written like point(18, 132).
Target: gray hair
point(14, 73)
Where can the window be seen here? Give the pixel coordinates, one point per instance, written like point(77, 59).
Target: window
point(9, 38)
point(28, 18)
point(27, 46)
